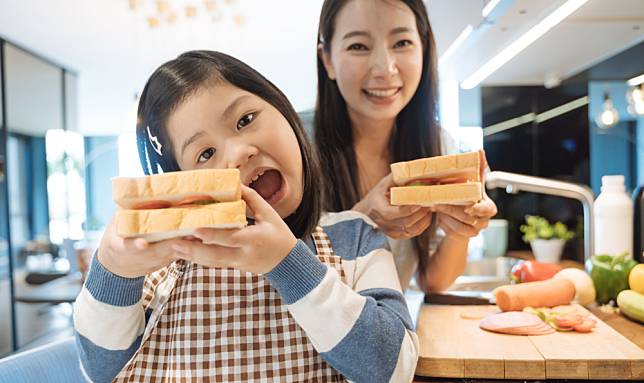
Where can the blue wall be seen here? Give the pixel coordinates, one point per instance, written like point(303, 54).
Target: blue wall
point(38, 202)
point(640, 150)
point(620, 149)
point(469, 107)
point(102, 163)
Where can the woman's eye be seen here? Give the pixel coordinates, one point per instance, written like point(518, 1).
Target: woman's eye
point(357, 47)
point(244, 121)
point(402, 43)
point(206, 155)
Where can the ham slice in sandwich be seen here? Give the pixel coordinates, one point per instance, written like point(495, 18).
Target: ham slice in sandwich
point(168, 205)
point(452, 179)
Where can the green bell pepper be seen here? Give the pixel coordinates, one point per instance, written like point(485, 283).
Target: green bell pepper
point(610, 275)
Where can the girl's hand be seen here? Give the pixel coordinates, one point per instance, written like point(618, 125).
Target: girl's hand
point(256, 248)
point(398, 222)
point(131, 258)
point(467, 221)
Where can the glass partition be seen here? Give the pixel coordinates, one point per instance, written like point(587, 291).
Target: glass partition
point(6, 306)
point(44, 174)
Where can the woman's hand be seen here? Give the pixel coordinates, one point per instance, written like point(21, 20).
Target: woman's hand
point(398, 222)
point(256, 248)
point(467, 221)
point(131, 258)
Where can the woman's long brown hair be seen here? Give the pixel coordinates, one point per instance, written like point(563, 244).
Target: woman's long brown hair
point(416, 134)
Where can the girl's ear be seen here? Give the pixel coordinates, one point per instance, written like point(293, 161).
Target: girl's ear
point(326, 60)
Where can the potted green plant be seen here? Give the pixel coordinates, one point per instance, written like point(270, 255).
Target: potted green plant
point(546, 240)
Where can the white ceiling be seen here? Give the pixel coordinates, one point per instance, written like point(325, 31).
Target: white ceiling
point(114, 51)
point(596, 31)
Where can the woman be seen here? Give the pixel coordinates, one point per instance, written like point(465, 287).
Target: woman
point(377, 104)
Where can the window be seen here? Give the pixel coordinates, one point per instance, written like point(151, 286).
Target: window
point(65, 184)
point(129, 163)
point(18, 203)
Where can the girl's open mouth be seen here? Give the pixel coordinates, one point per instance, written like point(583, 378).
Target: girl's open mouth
point(270, 185)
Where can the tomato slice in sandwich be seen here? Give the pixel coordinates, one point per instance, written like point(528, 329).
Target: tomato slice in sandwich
point(202, 199)
point(153, 205)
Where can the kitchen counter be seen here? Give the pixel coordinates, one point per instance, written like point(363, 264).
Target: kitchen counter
point(613, 322)
point(629, 329)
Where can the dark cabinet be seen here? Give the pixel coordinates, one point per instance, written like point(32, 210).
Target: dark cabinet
point(540, 132)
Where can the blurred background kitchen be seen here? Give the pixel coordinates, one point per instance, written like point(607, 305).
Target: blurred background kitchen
point(550, 88)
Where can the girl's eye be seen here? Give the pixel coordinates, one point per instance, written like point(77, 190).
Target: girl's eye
point(357, 47)
point(245, 120)
point(402, 43)
point(206, 155)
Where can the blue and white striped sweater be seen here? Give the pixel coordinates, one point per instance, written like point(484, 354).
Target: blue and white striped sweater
point(372, 339)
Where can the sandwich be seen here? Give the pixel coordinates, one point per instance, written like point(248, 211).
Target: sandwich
point(452, 179)
point(168, 205)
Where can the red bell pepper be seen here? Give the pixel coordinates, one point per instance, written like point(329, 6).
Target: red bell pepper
point(533, 271)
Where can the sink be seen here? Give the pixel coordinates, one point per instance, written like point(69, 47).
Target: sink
point(469, 290)
point(478, 283)
point(484, 275)
point(499, 266)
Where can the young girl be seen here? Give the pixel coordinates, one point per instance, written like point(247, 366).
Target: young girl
point(251, 304)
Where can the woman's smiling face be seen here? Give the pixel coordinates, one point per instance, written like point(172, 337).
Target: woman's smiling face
point(376, 57)
point(222, 127)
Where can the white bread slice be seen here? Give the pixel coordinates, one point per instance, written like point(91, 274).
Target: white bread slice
point(159, 224)
point(453, 194)
point(464, 166)
point(222, 185)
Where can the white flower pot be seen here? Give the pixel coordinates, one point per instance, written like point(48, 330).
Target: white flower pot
point(547, 250)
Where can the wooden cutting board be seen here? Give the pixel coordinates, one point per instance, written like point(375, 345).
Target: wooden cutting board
point(454, 347)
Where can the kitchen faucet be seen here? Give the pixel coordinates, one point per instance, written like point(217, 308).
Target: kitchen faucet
point(513, 183)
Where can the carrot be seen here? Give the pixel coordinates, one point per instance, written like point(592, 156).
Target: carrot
point(548, 293)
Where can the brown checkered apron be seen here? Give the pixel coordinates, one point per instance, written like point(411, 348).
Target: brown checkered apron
point(224, 325)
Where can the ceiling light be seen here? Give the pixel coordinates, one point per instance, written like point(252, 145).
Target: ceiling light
point(636, 109)
point(608, 117)
point(456, 44)
point(160, 13)
point(635, 81)
point(489, 7)
point(522, 42)
point(635, 98)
